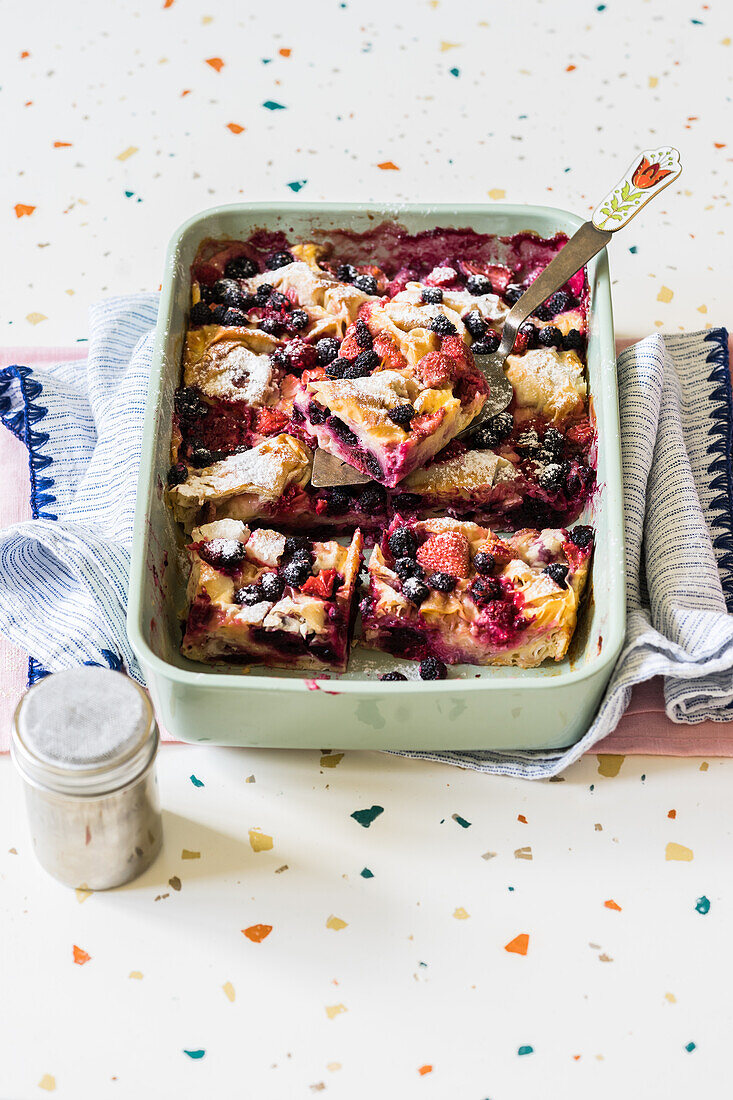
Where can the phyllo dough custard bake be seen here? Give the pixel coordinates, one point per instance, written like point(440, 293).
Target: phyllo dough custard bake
point(367, 345)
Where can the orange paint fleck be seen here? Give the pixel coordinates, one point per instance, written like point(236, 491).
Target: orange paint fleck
point(235, 127)
point(168, 4)
point(21, 209)
point(611, 904)
point(388, 166)
point(672, 814)
point(719, 144)
point(216, 63)
point(186, 91)
point(425, 1069)
point(519, 945)
point(24, 54)
point(62, 144)
point(284, 52)
point(257, 932)
point(570, 68)
point(576, 1057)
point(80, 957)
point(28, 103)
point(522, 818)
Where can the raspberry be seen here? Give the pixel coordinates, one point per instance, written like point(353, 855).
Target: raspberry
point(427, 423)
point(270, 421)
point(581, 433)
point(448, 552)
point(558, 573)
point(432, 295)
point(326, 350)
point(279, 259)
point(435, 369)
point(177, 474)
point(432, 668)
point(301, 356)
point(241, 268)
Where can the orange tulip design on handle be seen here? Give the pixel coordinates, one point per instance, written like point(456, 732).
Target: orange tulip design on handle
point(647, 174)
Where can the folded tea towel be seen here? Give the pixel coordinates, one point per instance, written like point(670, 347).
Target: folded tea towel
point(63, 575)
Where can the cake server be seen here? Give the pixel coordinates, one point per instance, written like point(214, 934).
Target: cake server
point(649, 173)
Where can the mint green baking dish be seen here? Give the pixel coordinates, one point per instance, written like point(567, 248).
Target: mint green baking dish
point(475, 708)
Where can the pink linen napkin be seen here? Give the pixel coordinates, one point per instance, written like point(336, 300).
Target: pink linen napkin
point(644, 728)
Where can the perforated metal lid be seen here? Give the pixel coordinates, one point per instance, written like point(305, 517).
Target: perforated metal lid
point(84, 731)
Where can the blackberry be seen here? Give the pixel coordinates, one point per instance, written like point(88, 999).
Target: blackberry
point(372, 499)
point(573, 340)
point(262, 294)
point(279, 358)
point(222, 553)
point(558, 573)
point(326, 350)
point(552, 476)
point(335, 370)
point(408, 567)
point(271, 326)
point(346, 273)
point(362, 335)
point(188, 404)
point(407, 502)
point(431, 295)
point(355, 369)
point(272, 586)
point(442, 325)
point(550, 337)
point(432, 668)
point(392, 676)
point(415, 591)
point(177, 474)
point(279, 259)
point(528, 443)
point(488, 344)
point(513, 293)
point(200, 314)
point(372, 464)
point(529, 330)
point(200, 457)
point(367, 284)
point(217, 315)
point(227, 292)
point(279, 301)
point(581, 536)
point(402, 414)
point(316, 414)
point(241, 268)
point(297, 321)
point(475, 324)
point(558, 302)
point(296, 543)
point(402, 543)
point(296, 572)
point(494, 431)
point(248, 596)
point(478, 285)
point(442, 582)
point(338, 501)
point(543, 313)
point(235, 318)
point(553, 441)
point(368, 360)
point(484, 563)
point(484, 590)
point(341, 431)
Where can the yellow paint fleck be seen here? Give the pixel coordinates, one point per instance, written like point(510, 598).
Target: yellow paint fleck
point(185, 854)
point(671, 998)
point(333, 1066)
point(665, 294)
point(47, 1082)
point(70, 293)
point(461, 914)
point(35, 318)
point(260, 842)
point(336, 924)
point(725, 41)
point(523, 853)
point(702, 309)
point(497, 193)
point(128, 152)
point(331, 760)
point(82, 893)
point(678, 851)
point(136, 974)
point(609, 765)
point(335, 1010)
point(659, 323)
point(704, 766)
point(229, 991)
point(653, 81)
point(206, 19)
point(449, 46)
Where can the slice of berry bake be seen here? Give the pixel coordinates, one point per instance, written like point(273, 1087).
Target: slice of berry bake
point(458, 592)
point(259, 596)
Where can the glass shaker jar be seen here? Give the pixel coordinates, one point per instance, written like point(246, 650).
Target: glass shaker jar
point(84, 742)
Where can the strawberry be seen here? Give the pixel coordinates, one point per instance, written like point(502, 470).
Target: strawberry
point(581, 433)
point(501, 553)
point(435, 369)
point(321, 585)
point(448, 552)
point(270, 421)
point(315, 374)
point(387, 350)
point(349, 348)
point(426, 424)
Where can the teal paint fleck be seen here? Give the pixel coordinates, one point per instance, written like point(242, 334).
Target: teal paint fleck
point(422, 964)
point(366, 817)
point(600, 7)
point(273, 106)
point(266, 60)
point(129, 194)
point(525, 1050)
point(702, 905)
point(689, 1047)
point(366, 873)
point(296, 185)
point(461, 821)
point(592, 786)
point(698, 23)
point(643, 778)
point(455, 72)
point(195, 1054)
point(633, 249)
point(510, 889)
point(196, 782)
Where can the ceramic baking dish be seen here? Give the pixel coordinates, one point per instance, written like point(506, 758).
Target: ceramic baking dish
point(475, 708)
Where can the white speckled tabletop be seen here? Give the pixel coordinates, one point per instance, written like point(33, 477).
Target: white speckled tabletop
point(482, 936)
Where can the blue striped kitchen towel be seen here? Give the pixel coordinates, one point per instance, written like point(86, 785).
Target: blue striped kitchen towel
point(63, 574)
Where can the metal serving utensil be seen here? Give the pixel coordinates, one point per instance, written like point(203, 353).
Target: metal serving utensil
point(649, 173)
